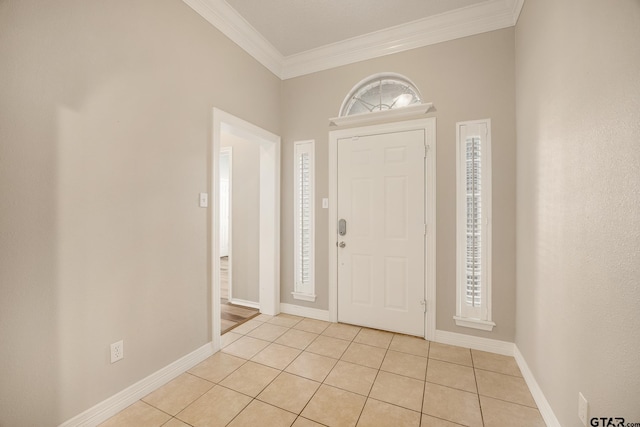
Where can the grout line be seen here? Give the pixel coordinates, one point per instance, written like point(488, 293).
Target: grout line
point(374, 380)
point(477, 389)
point(424, 387)
point(500, 373)
point(508, 401)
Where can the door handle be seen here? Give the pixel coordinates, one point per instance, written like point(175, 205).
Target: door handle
point(342, 244)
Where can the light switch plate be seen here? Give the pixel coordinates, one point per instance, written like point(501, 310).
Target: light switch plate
point(325, 203)
point(204, 200)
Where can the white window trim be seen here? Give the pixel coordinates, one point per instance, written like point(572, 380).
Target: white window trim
point(301, 291)
point(465, 317)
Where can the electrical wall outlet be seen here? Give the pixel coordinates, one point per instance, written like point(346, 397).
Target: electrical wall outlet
point(117, 351)
point(583, 409)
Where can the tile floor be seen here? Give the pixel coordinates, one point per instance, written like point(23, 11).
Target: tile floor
point(293, 371)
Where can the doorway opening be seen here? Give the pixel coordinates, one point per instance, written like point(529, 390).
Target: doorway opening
point(238, 204)
point(267, 238)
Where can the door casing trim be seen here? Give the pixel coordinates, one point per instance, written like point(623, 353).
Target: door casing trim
point(269, 240)
point(429, 127)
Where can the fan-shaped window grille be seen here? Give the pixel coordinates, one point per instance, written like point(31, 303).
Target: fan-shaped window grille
point(380, 92)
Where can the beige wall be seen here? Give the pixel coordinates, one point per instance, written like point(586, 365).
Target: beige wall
point(578, 104)
point(245, 217)
point(105, 127)
point(466, 79)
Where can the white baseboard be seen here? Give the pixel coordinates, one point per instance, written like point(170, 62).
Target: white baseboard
point(119, 401)
point(245, 303)
point(542, 402)
point(476, 343)
point(312, 313)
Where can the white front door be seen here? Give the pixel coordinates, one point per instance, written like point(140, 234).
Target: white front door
point(381, 253)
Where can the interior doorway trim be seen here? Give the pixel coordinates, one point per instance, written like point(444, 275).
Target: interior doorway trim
point(429, 127)
point(269, 244)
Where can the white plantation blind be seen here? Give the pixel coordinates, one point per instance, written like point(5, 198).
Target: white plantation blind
point(474, 206)
point(473, 200)
point(304, 218)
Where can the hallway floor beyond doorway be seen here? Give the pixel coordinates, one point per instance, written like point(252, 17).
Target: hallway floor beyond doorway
point(234, 315)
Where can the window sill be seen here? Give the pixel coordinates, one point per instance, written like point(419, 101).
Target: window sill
point(474, 323)
point(304, 297)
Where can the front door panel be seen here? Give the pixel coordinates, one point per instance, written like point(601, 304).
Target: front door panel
point(381, 257)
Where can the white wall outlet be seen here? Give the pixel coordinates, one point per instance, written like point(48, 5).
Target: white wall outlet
point(204, 200)
point(117, 351)
point(583, 409)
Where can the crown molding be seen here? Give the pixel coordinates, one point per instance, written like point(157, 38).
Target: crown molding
point(517, 8)
point(468, 21)
point(226, 19)
point(475, 19)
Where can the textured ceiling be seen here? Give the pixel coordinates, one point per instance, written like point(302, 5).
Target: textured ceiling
point(294, 26)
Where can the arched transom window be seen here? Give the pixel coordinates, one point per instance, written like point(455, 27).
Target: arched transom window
point(380, 92)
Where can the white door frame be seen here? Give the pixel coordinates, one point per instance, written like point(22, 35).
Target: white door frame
point(269, 245)
point(429, 127)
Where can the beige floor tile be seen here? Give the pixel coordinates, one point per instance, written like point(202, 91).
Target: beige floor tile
point(398, 390)
point(405, 364)
point(450, 353)
point(453, 405)
point(178, 393)
point(381, 414)
point(504, 387)
point(351, 377)
point(262, 414)
point(138, 415)
point(327, 346)
point(251, 378)
point(342, 331)
point(247, 327)
point(174, 422)
point(451, 375)
point(374, 337)
point(277, 356)
point(246, 347)
point(286, 320)
point(312, 366)
point(267, 332)
point(365, 355)
point(429, 421)
point(289, 392)
point(263, 318)
point(303, 422)
point(228, 338)
point(216, 408)
point(495, 363)
point(412, 345)
point(497, 413)
point(312, 325)
point(296, 338)
point(334, 407)
point(216, 367)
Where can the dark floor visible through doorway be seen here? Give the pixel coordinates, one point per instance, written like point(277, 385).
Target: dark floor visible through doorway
point(234, 315)
point(231, 315)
